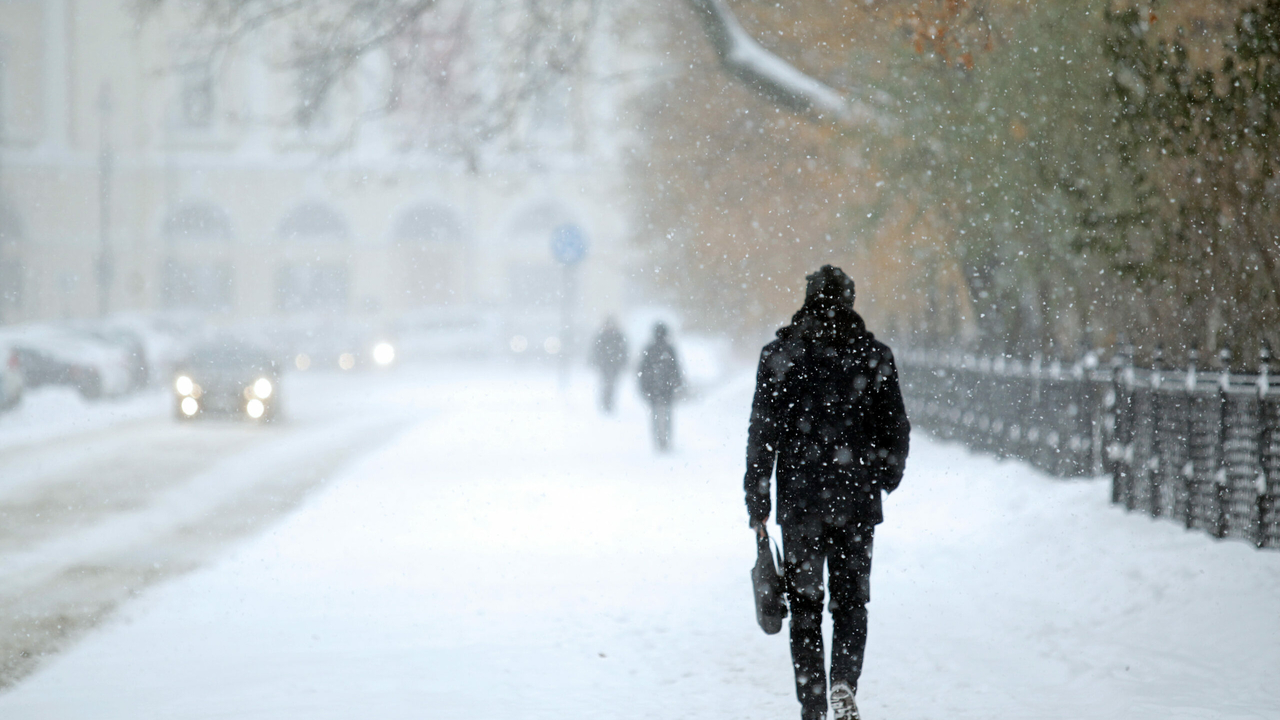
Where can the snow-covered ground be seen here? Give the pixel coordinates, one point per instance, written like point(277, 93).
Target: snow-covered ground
point(55, 411)
point(514, 555)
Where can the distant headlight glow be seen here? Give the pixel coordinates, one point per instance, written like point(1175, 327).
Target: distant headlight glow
point(384, 353)
point(255, 408)
point(189, 406)
point(262, 388)
point(346, 361)
point(183, 385)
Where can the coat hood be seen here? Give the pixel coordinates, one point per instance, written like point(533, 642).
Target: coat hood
point(827, 314)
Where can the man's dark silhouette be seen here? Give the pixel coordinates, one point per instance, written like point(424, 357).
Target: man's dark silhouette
point(828, 412)
point(660, 378)
point(609, 356)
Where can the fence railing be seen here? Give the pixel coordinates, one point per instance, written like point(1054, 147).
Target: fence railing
point(1199, 447)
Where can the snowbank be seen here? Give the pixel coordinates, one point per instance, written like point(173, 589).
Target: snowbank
point(56, 411)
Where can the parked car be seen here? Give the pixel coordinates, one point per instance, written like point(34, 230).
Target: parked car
point(165, 340)
point(49, 355)
point(227, 377)
point(11, 382)
point(128, 342)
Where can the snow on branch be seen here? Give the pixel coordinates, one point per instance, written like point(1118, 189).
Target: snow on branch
point(774, 77)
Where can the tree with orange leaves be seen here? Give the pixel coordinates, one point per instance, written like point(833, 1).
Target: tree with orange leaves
point(950, 215)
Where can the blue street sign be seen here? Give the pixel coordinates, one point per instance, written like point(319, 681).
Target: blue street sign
point(568, 244)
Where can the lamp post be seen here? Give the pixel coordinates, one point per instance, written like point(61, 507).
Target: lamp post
point(569, 248)
point(105, 265)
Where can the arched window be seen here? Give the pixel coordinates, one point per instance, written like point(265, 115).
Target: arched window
point(313, 285)
point(313, 221)
point(196, 285)
point(197, 222)
point(428, 223)
point(190, 278)
point(431, 254)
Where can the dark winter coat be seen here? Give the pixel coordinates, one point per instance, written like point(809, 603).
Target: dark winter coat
point(609, 354)
point(828, 412)
point(659, 374)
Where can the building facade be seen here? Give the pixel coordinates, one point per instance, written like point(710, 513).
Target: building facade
point(140, 171)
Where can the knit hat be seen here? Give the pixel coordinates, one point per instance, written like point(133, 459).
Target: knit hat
point(829, 285)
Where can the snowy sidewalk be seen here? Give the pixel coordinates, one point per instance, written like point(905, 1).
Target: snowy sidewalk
point(516, 556)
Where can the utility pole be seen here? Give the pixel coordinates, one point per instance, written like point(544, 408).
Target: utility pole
point(7, 292)
point(568, 247)
point(105, 266)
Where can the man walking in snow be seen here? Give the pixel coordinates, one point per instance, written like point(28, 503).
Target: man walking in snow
point(609, 356)
point(660, 378)
point(828, 412)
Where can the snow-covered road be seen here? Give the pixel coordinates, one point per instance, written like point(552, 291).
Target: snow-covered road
point(514, 555)
point(100, 501)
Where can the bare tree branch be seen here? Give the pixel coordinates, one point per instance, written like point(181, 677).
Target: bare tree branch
point(775, 78)
point(442, 92)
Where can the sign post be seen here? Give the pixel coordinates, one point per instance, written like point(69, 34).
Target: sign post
point(569, 248)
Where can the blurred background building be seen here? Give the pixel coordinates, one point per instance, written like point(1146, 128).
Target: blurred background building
point(143, 169)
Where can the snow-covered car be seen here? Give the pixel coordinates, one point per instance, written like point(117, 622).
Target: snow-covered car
point(49, 355)
point(128, 342)
point(11, 382)
point(165, 340)
point(227, 378)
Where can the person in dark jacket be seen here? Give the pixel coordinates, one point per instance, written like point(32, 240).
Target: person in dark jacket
point(828, 414)
point(660, 379)
point(609, 356)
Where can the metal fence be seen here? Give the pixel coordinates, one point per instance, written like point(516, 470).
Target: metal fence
point(1199, 447)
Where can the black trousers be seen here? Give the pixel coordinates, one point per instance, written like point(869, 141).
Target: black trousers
point(846, 552)
point(661, 424)
point(608, 382)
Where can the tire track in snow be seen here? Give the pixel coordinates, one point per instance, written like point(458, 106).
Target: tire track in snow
point(58, 585)
point(74, 484)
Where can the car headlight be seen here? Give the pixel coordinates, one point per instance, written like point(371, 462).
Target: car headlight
point(384, 353)
point(189, 406)
point(255, 408)
point(183, 385)
point(262, 388)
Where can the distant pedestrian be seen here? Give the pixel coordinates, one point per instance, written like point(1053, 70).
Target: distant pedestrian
point(828, 412)
point(660, 379)
point(609, 357)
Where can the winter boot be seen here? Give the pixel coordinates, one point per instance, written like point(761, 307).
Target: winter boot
point(842, 705)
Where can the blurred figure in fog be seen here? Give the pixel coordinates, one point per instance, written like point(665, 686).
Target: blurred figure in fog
point(828, 414)
point(660, 378)
point(609, 356)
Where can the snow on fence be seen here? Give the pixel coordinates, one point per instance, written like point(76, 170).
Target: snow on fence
point(1198, 447)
